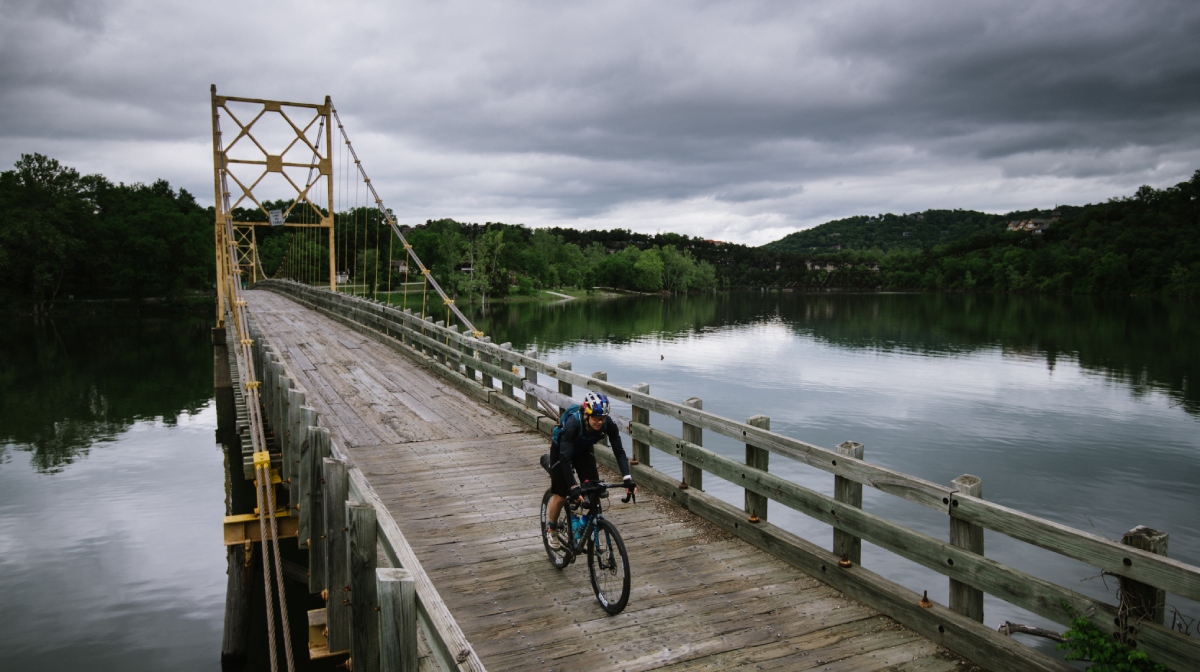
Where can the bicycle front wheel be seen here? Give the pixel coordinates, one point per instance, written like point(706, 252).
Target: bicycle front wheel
point(609, 567)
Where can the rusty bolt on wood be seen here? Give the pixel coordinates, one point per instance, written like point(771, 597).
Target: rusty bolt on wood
point(634, 462)
point(753, 519)
point(845, 563)
point(925, 603)
point(683, 486)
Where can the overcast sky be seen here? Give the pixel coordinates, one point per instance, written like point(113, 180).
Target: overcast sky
point(738, 120)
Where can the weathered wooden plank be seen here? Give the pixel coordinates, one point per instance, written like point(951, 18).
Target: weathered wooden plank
point(364, 642)
point(337, 575)
point(1143, 602)
point(964, 599)
point(693, 476)
point(397, 620)
point(850, 493)
point(317, 547)
point(756, 458)
point(641, 451)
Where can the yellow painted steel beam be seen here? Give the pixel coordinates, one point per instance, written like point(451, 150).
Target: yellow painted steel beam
point(245, 527)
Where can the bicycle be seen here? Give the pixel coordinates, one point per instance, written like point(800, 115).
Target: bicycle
point(591, 533)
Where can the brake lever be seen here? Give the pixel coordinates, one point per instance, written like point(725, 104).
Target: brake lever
point(629, 495)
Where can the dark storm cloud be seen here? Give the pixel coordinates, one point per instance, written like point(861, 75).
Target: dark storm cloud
point(736, 119)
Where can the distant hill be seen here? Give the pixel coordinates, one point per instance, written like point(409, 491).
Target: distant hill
point(917, 231)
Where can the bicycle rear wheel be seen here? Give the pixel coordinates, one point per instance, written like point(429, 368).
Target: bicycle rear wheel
point(559, 558)
point(609, 567)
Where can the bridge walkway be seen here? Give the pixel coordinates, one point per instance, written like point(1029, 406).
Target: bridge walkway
point(462, 481)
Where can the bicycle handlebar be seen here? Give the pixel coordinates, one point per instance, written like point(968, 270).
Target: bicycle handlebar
point(590, 487)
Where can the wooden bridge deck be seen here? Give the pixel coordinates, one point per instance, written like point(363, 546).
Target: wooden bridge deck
point(462, 481)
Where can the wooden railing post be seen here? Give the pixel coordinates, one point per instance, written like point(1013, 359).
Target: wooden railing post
point(531, 375)
point(449, 343)
point(317, 548)
point(1140, 601)
point(693, 476)
point(364, 645)
point(301, 493)
point(397, 620)
point(564, 388)
point(468, 371)
point(757, 458)
point(964, 599)
point(848, 492)
point(294, 438)
point(282, 385)
point(641, 451)
point(487, 380)
point(337, 576)
point(507, 365)
point(437, 354)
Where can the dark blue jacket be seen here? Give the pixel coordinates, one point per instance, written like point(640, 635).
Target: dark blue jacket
point(577, 438)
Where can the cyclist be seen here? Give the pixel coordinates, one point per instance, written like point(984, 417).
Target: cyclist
point(574, 452)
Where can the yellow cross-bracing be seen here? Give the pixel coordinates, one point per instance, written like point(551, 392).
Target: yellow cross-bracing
point(251, 156)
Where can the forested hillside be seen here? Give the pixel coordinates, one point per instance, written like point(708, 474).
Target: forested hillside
point(66, 235)
point(1147, 243)
point(889, 232)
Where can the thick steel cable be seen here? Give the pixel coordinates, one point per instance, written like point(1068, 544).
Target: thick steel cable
point(266, 561)
point(287, 634)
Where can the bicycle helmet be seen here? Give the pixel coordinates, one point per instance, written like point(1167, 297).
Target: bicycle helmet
point(596, 404)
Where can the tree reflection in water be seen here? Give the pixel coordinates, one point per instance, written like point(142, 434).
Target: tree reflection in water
point(71, 382)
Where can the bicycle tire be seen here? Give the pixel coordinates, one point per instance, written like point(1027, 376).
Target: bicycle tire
point(561, 557)
point(608, 566)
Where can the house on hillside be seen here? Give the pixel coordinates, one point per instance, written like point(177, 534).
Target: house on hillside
point(1034, 226)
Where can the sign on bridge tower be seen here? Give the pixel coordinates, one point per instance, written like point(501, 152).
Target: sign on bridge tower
point(276, 170)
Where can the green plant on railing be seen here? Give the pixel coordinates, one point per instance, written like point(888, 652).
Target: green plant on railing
point(1106, 653)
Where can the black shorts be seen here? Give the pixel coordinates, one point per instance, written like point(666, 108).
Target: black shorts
point(585, 470)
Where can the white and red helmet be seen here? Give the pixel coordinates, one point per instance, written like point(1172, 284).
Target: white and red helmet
point(595, 403)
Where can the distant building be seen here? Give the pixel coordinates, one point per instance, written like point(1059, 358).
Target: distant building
point(1034, 226)
point(907, 234)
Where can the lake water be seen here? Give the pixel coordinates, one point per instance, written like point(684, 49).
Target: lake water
point(1082, 411)
point(112, 491)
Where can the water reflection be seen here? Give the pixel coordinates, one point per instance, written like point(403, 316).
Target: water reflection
point(110, 558)
point(68, 384)
point(1142, 343)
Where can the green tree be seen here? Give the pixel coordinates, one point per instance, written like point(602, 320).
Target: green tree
point(488, 276)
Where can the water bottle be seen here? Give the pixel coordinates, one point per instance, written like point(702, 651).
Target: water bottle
point(581, 522)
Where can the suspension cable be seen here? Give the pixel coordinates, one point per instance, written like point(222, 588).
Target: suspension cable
point(396, 228)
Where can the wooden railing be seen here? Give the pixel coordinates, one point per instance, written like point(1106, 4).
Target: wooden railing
point(477, 365)
point(373, 613)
